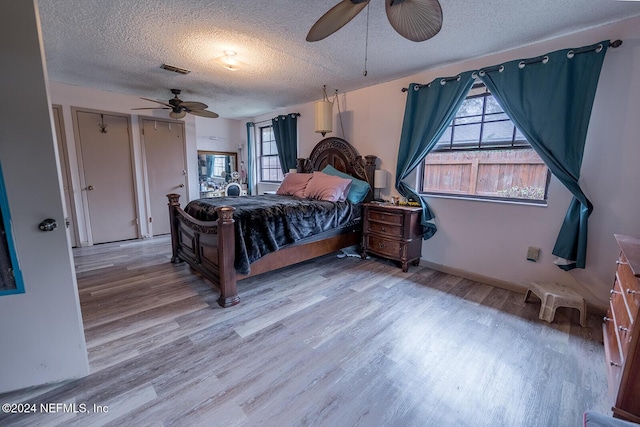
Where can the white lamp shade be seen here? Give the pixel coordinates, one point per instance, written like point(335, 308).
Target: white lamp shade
point(380, 178)
point(324, 117)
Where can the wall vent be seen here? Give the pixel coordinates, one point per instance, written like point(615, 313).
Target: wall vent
point(175, 69)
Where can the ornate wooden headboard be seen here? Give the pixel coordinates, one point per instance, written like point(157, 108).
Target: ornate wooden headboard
point(343, 156)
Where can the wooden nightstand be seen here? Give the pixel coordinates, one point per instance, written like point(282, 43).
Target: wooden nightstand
point(393, 232)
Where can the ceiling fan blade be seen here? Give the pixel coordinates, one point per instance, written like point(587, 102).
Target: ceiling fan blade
point(152, 108)
point(190, 105)
point(337, 17)
point(159, 102)
point(416, 20)
point(204, 113)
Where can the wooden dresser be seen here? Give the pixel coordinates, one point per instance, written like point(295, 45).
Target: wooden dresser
point(622, 333)
point(393, 232)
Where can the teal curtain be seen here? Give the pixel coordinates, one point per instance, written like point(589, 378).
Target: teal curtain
point(250, 127)
point(428, 112)
point(550, 100)
point(285, 129)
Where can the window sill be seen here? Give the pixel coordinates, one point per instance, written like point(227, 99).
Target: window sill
point(539, 204)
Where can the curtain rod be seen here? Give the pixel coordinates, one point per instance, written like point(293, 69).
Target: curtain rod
point(614, 44)
point(269, 120)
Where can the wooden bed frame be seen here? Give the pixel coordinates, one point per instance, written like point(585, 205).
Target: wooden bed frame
point(209, 247)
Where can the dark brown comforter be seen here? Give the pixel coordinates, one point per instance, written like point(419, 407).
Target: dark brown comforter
point(264, 224)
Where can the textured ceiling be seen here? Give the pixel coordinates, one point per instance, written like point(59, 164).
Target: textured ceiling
point(119, 45)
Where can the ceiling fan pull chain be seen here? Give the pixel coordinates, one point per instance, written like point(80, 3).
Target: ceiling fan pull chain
point(366, 43)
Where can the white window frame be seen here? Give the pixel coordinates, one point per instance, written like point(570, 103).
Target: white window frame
point(273, 158)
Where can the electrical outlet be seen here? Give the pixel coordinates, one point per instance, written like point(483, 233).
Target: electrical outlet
point(533, 254)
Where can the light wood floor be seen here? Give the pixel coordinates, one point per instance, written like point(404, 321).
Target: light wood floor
point(331, 342)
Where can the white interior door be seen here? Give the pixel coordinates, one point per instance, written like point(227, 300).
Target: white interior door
point(164, 149)
point(108, 176)
point(41, 338)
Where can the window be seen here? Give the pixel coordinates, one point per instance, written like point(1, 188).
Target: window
point(483, 155)
point(270, 170)
point(218, 166)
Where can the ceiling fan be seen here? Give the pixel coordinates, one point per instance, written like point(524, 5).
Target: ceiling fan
point(416, 20)
point(180, 108)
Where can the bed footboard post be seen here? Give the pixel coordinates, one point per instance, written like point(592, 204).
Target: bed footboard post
point(227, 254)
point(174, 203)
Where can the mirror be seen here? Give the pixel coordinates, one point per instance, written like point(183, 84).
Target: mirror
point(214, 170)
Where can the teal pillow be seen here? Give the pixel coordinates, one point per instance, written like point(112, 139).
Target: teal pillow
point(359, 188)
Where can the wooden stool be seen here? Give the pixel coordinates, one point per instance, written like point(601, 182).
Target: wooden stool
point(553, 295)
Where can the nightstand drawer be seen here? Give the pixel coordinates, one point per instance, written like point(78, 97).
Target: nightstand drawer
point(385, 228)
point(386, 217)
point(383, 246)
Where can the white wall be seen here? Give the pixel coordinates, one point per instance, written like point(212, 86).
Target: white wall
point(491, 239)
point(42, 338)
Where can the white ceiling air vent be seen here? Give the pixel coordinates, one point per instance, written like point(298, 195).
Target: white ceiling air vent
point(175, 69)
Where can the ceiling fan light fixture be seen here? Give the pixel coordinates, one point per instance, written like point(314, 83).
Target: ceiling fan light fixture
point(177, 114)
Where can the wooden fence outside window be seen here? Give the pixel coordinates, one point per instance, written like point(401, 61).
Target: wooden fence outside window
point(508, 174)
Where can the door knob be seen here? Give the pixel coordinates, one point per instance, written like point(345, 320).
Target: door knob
point(90, 188)
point(48, 225)
point(181, 185)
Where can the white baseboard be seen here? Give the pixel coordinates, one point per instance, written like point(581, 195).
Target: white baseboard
point(474, 276)
point(502, 284)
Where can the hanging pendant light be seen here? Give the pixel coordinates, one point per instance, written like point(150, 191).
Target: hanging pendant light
point(324, 114)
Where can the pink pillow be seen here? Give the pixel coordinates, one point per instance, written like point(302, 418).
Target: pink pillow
point(294, 184)
point(327, 187)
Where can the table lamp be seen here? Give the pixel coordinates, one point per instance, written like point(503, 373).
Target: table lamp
point(380, 182)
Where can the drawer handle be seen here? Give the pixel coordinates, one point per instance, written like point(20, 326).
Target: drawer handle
point(612, 363)
point(621, 263)
point(381, 245)
point(606, 319)
point(623, 329)
point(383, 228)
point(629, 291)
point(613, 292)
